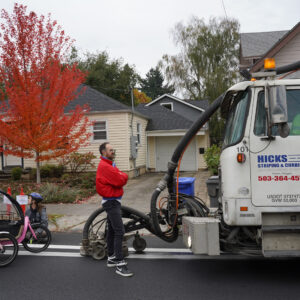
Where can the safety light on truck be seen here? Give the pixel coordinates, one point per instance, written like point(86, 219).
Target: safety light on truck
point(269, 63)
point(241, 158)
point(243, 208)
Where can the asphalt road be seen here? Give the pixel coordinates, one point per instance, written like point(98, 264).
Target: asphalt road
point(162, 273)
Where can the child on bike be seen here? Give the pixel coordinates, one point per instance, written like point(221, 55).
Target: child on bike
point(36, 211)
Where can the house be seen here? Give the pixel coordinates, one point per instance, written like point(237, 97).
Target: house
point(284, 46)
point(170, 118)
point(113, 122)
point(158, 126)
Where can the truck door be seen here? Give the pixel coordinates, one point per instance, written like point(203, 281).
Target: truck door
point(275, 163)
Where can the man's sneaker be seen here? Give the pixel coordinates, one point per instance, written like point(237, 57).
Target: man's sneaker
point(112, 261)
point(123, 271)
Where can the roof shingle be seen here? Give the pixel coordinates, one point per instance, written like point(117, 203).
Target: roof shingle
point(96, 101)
point(258, 43)
point(162, 118)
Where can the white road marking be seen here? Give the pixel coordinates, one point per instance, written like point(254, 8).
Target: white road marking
point(63, 247)
point(149, 253)
point(156, 250)
point(164, 250)
point(46, 253)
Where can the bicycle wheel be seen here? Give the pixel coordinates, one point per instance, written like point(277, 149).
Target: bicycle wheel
point(95, 228)
point(40, 243)
point(8, 249)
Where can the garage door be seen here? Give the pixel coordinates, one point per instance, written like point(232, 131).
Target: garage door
point(165, 147)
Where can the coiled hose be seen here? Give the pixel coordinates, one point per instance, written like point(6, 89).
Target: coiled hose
point(167, 181)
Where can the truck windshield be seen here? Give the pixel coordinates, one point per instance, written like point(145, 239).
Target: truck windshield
point(236, 120)
point(293, 105)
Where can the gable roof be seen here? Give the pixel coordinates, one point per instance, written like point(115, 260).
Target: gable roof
point(188, 103)
point(256, 44)
point(277, 47)
point(97, 101)
point(162, 118)
point(203, 104)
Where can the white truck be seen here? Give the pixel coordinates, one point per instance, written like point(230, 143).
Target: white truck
point(258, 187)
point(259, 177)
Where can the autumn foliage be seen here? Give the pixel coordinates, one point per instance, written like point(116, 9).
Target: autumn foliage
point(140, 97)
point(38, 84)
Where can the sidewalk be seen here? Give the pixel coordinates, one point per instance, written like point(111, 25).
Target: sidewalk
point(137, 194)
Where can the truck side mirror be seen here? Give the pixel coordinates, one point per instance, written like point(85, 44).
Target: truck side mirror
point(278, 113)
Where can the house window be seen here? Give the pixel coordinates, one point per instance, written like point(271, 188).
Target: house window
point(168, 105)
point(99, 130)
point(138, 132)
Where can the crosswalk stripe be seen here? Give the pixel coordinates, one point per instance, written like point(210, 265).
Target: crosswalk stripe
point(149, 253)
point(162, 250)
point(48, 253)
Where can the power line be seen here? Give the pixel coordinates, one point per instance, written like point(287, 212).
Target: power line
point(224, 10)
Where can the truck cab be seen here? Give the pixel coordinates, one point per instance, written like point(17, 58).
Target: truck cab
point(260, 161)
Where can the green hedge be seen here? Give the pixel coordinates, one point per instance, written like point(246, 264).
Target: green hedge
point(212, 158)
point(16, 173)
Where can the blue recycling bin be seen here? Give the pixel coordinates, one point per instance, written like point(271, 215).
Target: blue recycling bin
point(186, 185)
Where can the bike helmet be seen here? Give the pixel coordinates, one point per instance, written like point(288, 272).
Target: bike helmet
point(36, 196)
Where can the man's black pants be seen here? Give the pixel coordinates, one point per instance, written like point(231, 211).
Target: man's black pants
point(115, 228)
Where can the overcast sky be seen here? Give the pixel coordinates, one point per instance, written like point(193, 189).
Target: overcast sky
point(139, 30)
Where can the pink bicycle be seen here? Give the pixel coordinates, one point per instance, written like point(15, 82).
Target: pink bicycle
point(16, 229)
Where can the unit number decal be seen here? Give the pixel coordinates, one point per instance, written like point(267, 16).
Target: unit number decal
point(242, 149)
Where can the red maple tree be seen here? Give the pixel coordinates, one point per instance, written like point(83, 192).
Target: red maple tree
point(37, 85)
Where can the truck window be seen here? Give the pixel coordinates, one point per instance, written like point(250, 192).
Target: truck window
point(236, 120)
point(293, 104)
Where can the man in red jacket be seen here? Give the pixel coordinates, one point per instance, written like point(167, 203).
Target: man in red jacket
point(109, 184)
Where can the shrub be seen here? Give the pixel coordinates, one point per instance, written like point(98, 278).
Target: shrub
point(49, 170)
point(45, 171)
point(89, 181)
point(65, 177)
point(212, 158)
point(79, 162)
point(53, 193)
point(32, 174)
point(58, 170)
point(16, 173)
point(85, 180)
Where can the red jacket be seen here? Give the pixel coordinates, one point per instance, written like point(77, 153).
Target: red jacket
point(109, 179)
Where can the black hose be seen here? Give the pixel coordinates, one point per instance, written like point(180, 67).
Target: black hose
point(288, 68)
point(172, 165)
point(198, 124)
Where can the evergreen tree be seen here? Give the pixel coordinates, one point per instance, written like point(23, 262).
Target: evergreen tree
point(110, 76)
point(153, 85)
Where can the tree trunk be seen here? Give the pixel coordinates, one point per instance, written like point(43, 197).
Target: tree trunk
point(38, 171)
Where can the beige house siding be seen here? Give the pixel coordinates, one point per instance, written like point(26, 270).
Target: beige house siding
point(116, 126)
point(142, 147)
point(202, 142)
point(289, 53)
point(118, 134)
point(151, 153)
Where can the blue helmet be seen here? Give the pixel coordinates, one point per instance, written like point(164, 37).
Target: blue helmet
point(36, 196)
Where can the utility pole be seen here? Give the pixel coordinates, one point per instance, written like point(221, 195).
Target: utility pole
point(132, 139)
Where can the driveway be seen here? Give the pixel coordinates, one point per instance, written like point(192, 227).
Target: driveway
point(138, 191)
point(137, 195)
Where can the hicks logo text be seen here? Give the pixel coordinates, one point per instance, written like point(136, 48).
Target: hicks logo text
point(271, 158)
